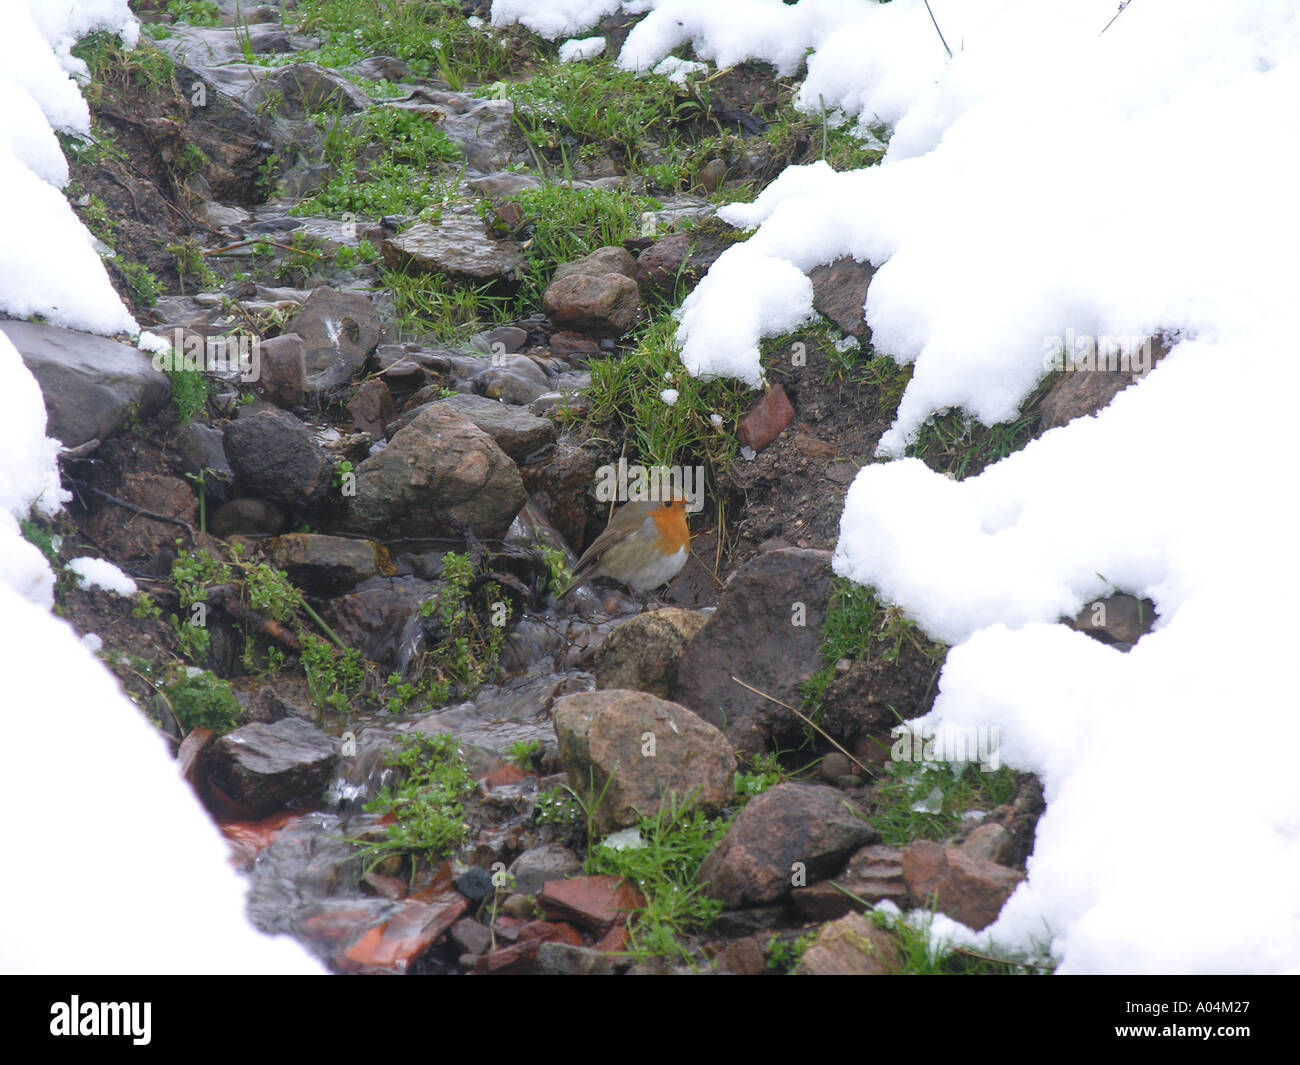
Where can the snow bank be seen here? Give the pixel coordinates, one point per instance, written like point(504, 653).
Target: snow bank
point(576, 50)
point(151, 890)
point(1051, 178)
point(48, 263)
point(552, 18)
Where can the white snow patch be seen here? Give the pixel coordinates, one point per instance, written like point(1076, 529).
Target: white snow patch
point(100, 573)
point(576, 50)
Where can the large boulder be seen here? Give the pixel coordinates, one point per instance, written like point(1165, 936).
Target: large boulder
point(628, 753)
point(437, 474)
point(91, 385)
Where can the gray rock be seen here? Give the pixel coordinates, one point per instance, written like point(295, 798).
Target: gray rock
point(283, 371)
point(790, 833)
point(596, 294)
point(251, 517)
point(91, 385)
point(534, 868)
point(302, 89)
point(564, 959)
point(840, 293)
point(339, 331)
point(517, 432)
point(265, 767)
point(439, 471)
point(458, 246)
point(328, 564)
point(629, 752)
point(274, 456)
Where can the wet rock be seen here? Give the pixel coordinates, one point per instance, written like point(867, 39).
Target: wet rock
point(563, 483)
point(283, 374)
point(287, 697)
point(745, 957)
point(381, 68)
point(372, 409)
point(834, 766)
point(712, 174)
point(475, 884)
point(301, 89)
point(392, 888)
point(127, 535)
point(399, 942)
point(470, 936)
point(326, 565)
point(519, 906)
point(438, 472)
point(200, 452)
point(766, 631)
point(224, 44)
point(968, 889)
point(274, 457)
point(504, 338)
point(1119, 620)
point(990, 843)
point(381, 621)
point(642, 653)
point(840, 294)
point(765, 422)
point(565, 343)
point(458, 246)
point(563, 959)
point(682, 258)
point(91, 385)
point(339, 331)
point(515, 379)
point(596, 294)
point(874, 874)
point(851, 946)
point(597, 903)
point(518, 433)
point(251, 517)
point(523, 955)
point(535, 867)
point(790, 832)
point(236, 140)
point(483, 129)
point(264, 767)
point(637, 750)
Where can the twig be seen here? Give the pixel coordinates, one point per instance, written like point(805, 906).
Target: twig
point(261, 240)
point(805, 719)
point(937, 30)
point(134, 509)
point(1122, 5)
point(227, 597)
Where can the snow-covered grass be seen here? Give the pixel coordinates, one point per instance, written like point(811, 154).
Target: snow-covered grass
point(149, 889)
point(1050, 177)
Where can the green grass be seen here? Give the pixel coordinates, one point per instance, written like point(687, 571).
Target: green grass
point(189, 394)
point(677, 840)
point(112, 65)
point(204, 701)
point(571, 112)
point(431, 305)
point(859, 626)
point(627, 391)
point(568, 223)
point(195, 12)
point(427, 802)
point(430, 36)
point(919, 956)
point(408, 175)
point(138, 278)
point(926, 800)
point(955, 444)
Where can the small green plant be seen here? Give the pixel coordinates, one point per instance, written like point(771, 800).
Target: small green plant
point(271, 593)
point(557, 806)
point(677, 840)
point(764, 772)
point(195, 12)
point(926, 800)
point(191, 263)
point(783, 955)
point(189, 393)
point(468, 650)
point(204, 701)
point(138, 278)
point(43, 540)
point(435, 306)
point(557, 567)
point(144, 607)
point(525, 755)
point(427, 802)
point(341, 472)
point(333, 676)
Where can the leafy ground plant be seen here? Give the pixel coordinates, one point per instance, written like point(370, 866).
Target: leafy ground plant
point(427, 802)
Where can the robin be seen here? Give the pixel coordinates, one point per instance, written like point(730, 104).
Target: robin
point(644, 545)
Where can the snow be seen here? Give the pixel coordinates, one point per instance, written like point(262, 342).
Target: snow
point(678, 70)
point(48, 262)
point(587, 48)
point(1051, 180)
point(151, 888)
point(553, 18)
point(100, 573)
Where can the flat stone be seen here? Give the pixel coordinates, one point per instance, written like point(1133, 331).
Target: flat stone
point(91, 385)
point(339, 330)
point(264, 767)
point(642, 653)
point(765, 422)
point(840, 294)
point(968, 889)
point(851, 946)
point(458, 246)
point(327, 565)
point(597, 903)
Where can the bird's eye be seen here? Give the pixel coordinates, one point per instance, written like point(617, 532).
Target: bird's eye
point(668, 502)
